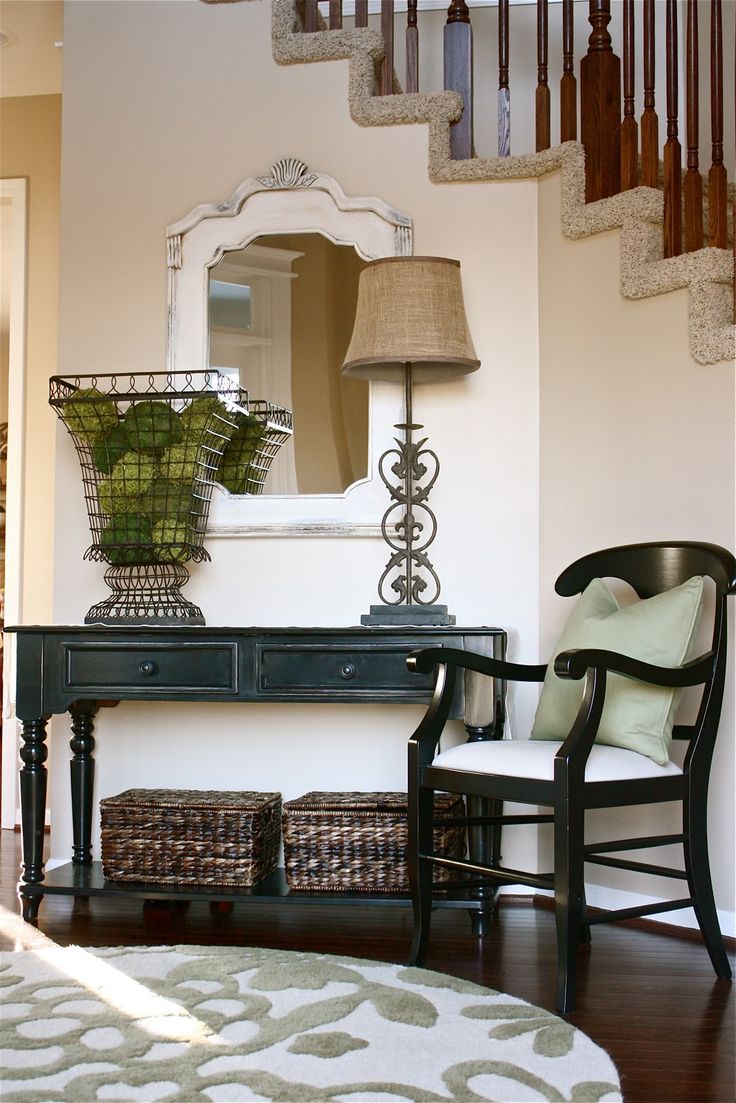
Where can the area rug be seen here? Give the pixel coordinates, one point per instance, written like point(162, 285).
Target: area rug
point(231, 1024)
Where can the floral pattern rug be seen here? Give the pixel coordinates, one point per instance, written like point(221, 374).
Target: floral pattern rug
point(232, 1024)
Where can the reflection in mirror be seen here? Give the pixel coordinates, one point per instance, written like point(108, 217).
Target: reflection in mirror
point(281, 312)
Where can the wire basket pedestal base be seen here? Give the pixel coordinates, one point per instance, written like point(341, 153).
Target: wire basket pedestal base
point(146, 594)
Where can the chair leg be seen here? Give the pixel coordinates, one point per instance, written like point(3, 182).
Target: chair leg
point(421, 809)
point(697, 866)
point(569, 899)
point(584, 927)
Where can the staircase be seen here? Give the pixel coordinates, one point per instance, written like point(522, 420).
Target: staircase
point(639, 212)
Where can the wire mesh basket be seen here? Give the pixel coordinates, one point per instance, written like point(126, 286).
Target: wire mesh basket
point(151, 446)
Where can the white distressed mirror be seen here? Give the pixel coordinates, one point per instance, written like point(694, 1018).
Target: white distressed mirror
point(205, 249)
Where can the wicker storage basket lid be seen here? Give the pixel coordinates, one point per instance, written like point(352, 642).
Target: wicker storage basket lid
point(190, 798)
point(354, 802)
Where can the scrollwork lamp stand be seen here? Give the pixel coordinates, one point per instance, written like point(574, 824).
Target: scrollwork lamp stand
point(409, 526)
point(410, 326)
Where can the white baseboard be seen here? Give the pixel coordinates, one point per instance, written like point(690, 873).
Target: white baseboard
point(610, 899)
point(599, 897)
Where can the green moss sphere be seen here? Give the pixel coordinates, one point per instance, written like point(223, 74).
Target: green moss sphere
point(208, 420)
point(89, 415)
point(201, 409)
point(152, 426)
point(181, 464)
point(127, 540)
point(109, 449)
point(165, 498)
point(172, 539)
point(239, 454)
point(129, 479)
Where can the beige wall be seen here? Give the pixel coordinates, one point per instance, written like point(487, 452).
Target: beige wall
point(636, 443)
point(30, 139)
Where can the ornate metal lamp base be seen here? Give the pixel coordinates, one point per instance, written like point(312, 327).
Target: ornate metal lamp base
point(407, 614)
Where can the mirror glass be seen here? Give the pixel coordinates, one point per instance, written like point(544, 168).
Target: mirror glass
point(281, 313)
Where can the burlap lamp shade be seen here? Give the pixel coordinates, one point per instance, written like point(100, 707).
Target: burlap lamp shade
point(410, 311)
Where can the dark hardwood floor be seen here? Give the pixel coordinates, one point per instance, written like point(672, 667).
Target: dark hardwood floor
point(649, 998)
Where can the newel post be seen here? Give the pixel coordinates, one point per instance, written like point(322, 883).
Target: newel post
point(600, 107)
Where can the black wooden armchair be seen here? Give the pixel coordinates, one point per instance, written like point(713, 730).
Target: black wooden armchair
point(571, 775)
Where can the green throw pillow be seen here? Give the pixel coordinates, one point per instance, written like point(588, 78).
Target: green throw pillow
point(658, 630)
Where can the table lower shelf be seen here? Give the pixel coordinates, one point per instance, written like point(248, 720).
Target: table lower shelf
point(88, 880)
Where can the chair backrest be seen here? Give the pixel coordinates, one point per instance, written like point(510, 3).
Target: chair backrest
point(650, 569)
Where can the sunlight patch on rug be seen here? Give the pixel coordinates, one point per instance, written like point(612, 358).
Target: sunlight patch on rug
point(234, 1024)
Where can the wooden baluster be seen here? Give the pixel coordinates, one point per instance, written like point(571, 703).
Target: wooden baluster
point(459, 75)
point(387, 65)
point(693, 182)
point(568, 84)
point(649, 120)
point(600, 107)
point(717, 184)
point(310, 15)
point(672, 149)
point(412, 47)
point(361, 13)
point(542, 96)
point(335, 15)
point(504, 92)
point(629, 129)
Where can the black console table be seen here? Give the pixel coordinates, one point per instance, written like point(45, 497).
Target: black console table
point(76, 669)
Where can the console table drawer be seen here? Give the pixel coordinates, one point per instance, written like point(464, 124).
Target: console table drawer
point(334, 669)
point(155, 668)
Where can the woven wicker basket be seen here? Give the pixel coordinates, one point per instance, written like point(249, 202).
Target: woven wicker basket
point(190, 837)
point(357, 842)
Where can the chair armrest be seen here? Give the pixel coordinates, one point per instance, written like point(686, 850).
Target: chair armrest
point(574, 664)
point(594, 665)
point(447, 661)
point(424, 661)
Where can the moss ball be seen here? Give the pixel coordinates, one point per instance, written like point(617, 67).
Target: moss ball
point(89, 415)
point(239, 453)
point(201, 409)
point(172, 539)
point(182, 463)
point(209, 421)
point(109, 449)
point(129, 479)
point(127, 539)
point(165, 498)
point(152, 426)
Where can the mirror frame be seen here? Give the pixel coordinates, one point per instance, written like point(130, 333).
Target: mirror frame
point(291, 200)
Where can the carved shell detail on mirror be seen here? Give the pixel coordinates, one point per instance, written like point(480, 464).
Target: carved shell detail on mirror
point(289, 172)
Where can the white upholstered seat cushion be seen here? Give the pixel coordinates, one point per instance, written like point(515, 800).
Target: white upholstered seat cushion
point(535, 759)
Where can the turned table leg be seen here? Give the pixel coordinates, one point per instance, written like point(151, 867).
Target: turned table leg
point(82, 773)
point(33, 783)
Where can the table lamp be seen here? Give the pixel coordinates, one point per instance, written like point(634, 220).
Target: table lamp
point(410, 327)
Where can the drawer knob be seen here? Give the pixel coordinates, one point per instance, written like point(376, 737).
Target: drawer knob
point(347, 671)
point(147, 668)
